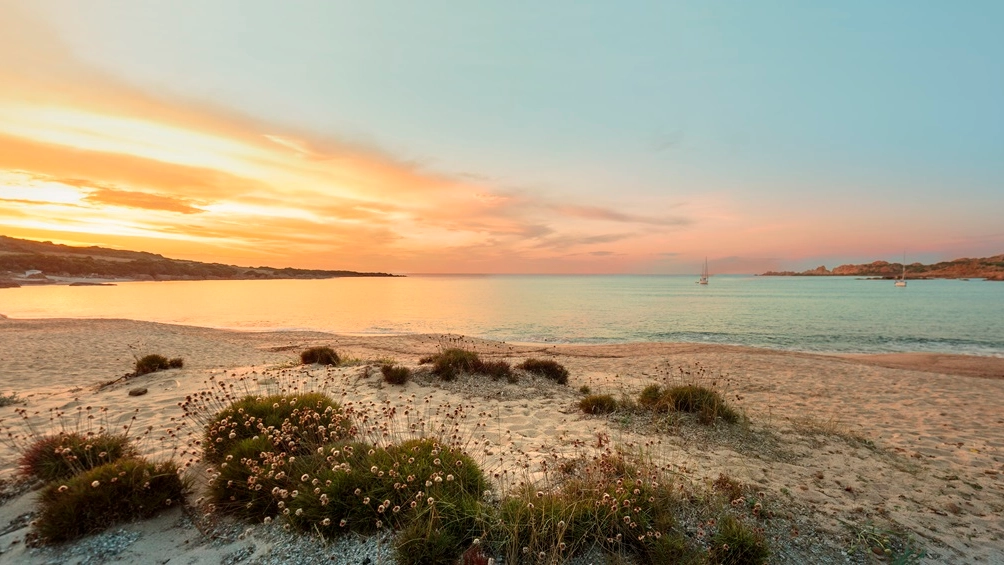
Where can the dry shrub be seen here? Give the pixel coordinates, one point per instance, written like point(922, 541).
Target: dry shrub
point(546, 368)
point(598, 404)
point(395, 375)
point(319, 355)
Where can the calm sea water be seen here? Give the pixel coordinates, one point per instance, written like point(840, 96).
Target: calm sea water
point(832, 314)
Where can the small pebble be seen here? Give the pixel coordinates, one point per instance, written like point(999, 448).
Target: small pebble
point(137, 391)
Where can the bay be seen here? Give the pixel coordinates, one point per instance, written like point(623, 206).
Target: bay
point(822, 314)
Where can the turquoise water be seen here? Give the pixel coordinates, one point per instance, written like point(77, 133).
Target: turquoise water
point(831, 314)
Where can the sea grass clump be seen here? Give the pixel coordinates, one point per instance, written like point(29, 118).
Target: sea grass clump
point(707, 403)
point(63, 455)
point(151, 364)
point(598, 404)
point(546, 368)
point(450, 362)
point(320, 356)
point(292, 422)
point(394, 374)
point(115, 492)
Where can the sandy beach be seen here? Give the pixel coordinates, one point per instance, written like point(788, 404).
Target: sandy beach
point(911, 444)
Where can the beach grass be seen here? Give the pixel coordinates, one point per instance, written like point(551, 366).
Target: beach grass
point(320, 355)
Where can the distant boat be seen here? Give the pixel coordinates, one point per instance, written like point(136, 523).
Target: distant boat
point(704, 273)
point(901, 281)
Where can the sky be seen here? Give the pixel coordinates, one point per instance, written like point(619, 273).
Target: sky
point(506, 137)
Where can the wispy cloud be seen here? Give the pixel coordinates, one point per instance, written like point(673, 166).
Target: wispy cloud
point(83, 153)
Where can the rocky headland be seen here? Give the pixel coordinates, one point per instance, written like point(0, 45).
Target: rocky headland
point(989, 268)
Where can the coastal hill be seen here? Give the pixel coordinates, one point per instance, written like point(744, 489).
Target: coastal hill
point(18, 257)
point(989, 268)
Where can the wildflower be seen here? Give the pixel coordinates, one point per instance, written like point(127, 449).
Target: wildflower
point(304, 478)
point(96, 484)
point(326, 522)
point(342, 523)
point(449, 478)
point(268, 520)
point(63, 488)
point(366, 500)
point(299, 511)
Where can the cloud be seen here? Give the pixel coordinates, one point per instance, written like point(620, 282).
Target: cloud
point(143, 200)
point(611, 215)
point(208, 180)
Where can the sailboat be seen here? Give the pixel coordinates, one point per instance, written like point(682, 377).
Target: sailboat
point(901, 281)
point(704, 273)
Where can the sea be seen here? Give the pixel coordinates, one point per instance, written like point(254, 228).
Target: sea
point(815, 314)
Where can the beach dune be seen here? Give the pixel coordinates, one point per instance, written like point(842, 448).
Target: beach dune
point(911, 443)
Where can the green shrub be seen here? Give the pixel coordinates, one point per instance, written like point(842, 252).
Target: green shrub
point(293, 423)
point(736, 544)
point(705, 402)
point(151, 364)
point(546, 368)
point(450, 362)
point(115, 492)
point(319, 355)
point(424, 542)
point(598, 404)
point(8, 399)
point(584, 389)
point(249, 474)
point(176, 363)
point(612, 504)
point(652, 398)
point(55, 457)
point(497, 370)
point(363, 488)
point(395, 375)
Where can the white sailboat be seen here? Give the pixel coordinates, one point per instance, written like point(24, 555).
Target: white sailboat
point(704, 273)
point(901, 281)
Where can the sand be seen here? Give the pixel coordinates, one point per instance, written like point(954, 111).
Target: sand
point(906, 443)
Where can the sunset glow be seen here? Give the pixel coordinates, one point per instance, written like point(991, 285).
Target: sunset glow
point(91, 154)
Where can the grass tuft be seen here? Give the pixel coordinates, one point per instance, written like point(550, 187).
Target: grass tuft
point(395, 375)
point(546, 368)
point(294, 423)
point(737, 544)
point(319, 355)
point(598, 404)
point(453, 361)
point(153, 363)
point(64, 455)
point(115, 492)
point(708, 404)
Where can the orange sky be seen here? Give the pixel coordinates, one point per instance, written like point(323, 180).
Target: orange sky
point(91, 157)
point(85, 159)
